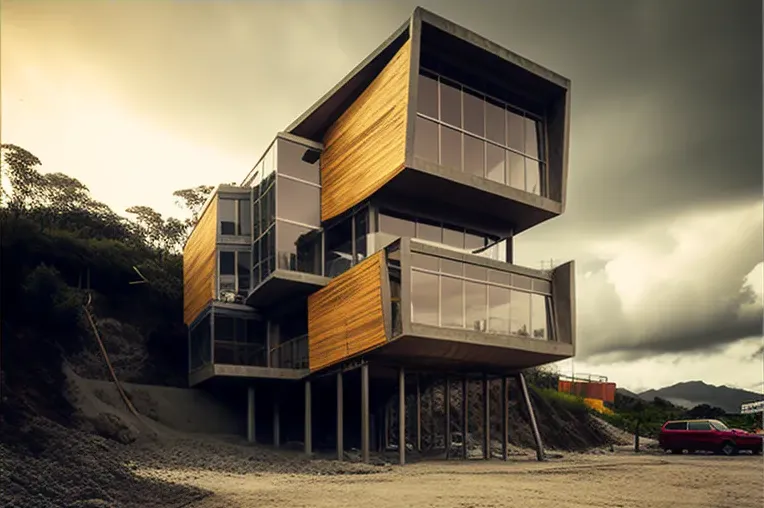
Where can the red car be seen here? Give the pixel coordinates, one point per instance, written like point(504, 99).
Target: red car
point(707, 435)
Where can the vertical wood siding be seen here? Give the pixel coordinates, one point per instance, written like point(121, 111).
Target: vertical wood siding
point(345, 317)
point(366, 147)
point(199, 264)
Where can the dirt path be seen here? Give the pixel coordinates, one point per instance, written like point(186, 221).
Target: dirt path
point(620, 480)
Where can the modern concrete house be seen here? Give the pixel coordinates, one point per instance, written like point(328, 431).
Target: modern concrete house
point(370, 251)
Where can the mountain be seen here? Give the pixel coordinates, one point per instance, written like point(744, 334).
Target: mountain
point(694, 393)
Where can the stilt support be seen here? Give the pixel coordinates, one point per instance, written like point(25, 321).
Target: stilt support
point(486, 418)
point(365, 412)
point(401, 416)
point(465, 416)
point(504, 419)
point(308, 420)
point(447, 402)
point(340, 423)
point(276, 423)
point(418, 414)
point(251, 414)
point(531, 415)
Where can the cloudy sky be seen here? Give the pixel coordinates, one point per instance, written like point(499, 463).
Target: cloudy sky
point(137, 99)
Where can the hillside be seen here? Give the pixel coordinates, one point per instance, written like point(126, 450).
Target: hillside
point(695, 393)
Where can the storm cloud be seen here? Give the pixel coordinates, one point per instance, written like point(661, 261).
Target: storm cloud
point(664, 212)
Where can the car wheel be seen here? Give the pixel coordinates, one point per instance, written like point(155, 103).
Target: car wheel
point(757, 451)
point(728, 448)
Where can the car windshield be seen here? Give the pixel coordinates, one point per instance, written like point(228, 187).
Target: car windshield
point(718, 425)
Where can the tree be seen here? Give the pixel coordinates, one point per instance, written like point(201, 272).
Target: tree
point(193, 200)
point(20, 168)
point(163, 234)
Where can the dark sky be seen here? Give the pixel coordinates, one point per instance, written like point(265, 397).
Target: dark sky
point(664, 211)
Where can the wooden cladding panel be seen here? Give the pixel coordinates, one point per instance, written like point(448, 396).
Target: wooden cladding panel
point(199, 264)
point(345, 317)
point(366, 147)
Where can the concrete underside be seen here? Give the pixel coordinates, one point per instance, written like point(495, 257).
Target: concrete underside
point(285, 284)
point(245, 372)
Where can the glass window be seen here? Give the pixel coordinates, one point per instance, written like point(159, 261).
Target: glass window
point(426, 140)
point(453, 238)
point(396, 226)
point(224, 328)
point(532, 138)
point(243, 266)
point(539, 321)
point(476, 305)
point(227, 263)
point(474, 113)
point(424, 298)
point(522, 282)
point(451, 302)
point(269, 163)
point(473, 242)
point(499, 277)
point(256, 231)
point(452, 267)
point(427, 96)
point(516, 169)
point(542, 286)
point(339, 248)
point(227, 216)
point(699, 426)
point(495, 123)
point(520, 313)
point(298, 202)
point(200, 343)
point(515, 131)
point(498, 309)
point(474, 272)
point(450, 148)
point(424, 261)
point(290, 161)
point(288, 239)
point(532, 176)
point(244, 216)
point(450, 104)
point(676, 426)
point(429, 232)
point(474, 156)
point(361, 219)
point(267, 253)
point(267, 208)
point(495, 156)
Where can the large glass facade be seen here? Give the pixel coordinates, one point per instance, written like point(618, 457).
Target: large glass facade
point(286, 215)
point(200, 347)
point(465, 130)
point(456, 238)
point(234, 216)
point(240, 341)
point(454, 294)
point(346, 242)
point(233, 274)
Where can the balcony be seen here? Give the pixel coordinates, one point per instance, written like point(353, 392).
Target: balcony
point(450, 309)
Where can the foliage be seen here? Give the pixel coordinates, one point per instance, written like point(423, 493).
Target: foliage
point(569, 401)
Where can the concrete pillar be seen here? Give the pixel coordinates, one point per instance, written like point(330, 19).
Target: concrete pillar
point(365, 455)
point(308, 420)
point(401, 416)
point(418, 414)
point(465, 416)
point(251, 414)
point(532, 417)
point(276, 423)
point(504, 419)
point(447, 403)
point(340, 421)
point(486, 418)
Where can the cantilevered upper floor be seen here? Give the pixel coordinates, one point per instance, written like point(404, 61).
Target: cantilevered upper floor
point(440, 115)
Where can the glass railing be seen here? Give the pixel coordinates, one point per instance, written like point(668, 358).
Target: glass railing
point(292, 354)
point(238, 353)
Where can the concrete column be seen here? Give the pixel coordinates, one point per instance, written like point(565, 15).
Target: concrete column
point(276, 423)
point(465, 416)
point(418, 414)
point(504, 419)
point(486, 418)
point(308, 421)
point(447, 403)
point(340, 421)
point(251, 414)
point(401, 416)
point(365, 456)
point(532, 417)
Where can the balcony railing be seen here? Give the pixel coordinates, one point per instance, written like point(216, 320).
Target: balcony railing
point(240, 353)
point(292, 354)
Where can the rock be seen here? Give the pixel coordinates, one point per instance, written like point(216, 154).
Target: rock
point(112, 427)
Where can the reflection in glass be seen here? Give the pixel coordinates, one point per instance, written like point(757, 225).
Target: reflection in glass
point(290, 162)
point(532, 176)
point(450, 148)
point(428, 232)
point(531, 147)
point(424, 298)
point(424, 261)
point(361, 233)
point(287, 237)
point(539, 321)
point(243, 266)
point(521, 313)
point(498, 310)
point(474, 156)
point(453, 238)
point(396, 226)
point(269, 162)
point(450, 104)
point(267, 253)
point(298, 201)
point(268, 208)
point(476, 305)
point(495, 163)
point(427, 96)
point(426, 140)
point(244, 216)
point(451, 267)
point(256, 231)
point(495, 122)
point(452, 302)
point(227, 216)
point(515, 131)
point(201, 346)
point(473, 242)
point(474, 114)
point(339, 248)
point(516, 168)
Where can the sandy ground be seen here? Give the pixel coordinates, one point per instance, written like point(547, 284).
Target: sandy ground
point(577, 480)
